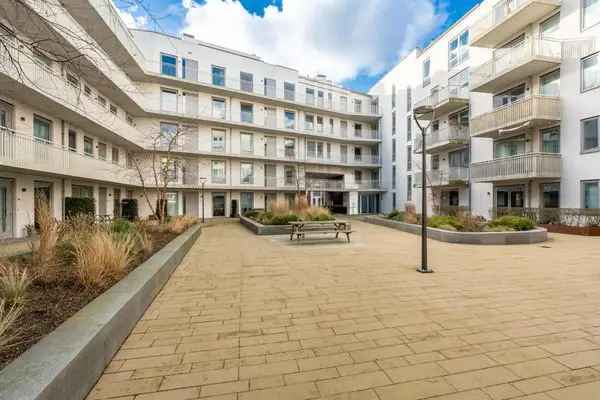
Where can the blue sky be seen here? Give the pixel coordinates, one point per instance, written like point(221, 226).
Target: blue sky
point(258, 25)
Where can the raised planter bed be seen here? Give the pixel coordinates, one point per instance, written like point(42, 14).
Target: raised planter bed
point(537, 235)
point(66, 363)
point(265, 230)
point(573, 230)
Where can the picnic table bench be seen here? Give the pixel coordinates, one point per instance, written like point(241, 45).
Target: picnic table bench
point(301, 228)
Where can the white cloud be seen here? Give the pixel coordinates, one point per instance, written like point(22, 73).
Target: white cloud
point(131, 20)
point(340, 38)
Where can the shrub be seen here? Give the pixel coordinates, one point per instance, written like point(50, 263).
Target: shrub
point(438, 221)
point(8, 316)
point(145, 243)
point(122, 227)
point(129, 209)
point(515, 222)
point(316, 214)
point(471, 223)
point(410, 214)
point(252, 214)
point(396, 215)
point(447, 228)
point(43, 254)
point(180, 224)
point(14, 283)
point(76, 206)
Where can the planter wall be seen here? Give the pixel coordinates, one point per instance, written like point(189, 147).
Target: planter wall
point(524, 237)
point(67, 363)
point(573, 230)
point(264, 230)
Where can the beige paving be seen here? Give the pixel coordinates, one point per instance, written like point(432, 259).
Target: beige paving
point(247, 317)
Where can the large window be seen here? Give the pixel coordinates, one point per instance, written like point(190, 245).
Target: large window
point(42, 129)
point(590, 13)
point(115, 155)
point(88, 146)
point(550, 27)
point(590, 72)
point(168, 134)
point(310, 96)
point(357, 106)
point(218, 108)
point(246, 82)
point(81, 192)
point(551, 140)
point(218, 75)
point(168, 65)
point(344, 128)
point(290, 119)
point(172, 203)
point(289, 91)
point(247, 173)
point(189, 69)
point(510, 147)
point(590, 135)
point(290, 175)
point(247, 113)
point(72, 140)
point(458, 50)
point(458, 159)
point(246, 143)
point(309, 122)
point(270, 87)
point(550, 84)
point(591, 194)
point(217, 174)
point(246, 201)
point(426, 72)
point(290, 147)
point(102, 150)
point(168, 100)
point(510, 96)
point(218, 140)
point(551, 195)
point(319, 124)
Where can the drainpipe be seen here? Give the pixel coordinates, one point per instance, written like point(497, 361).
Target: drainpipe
point(470, 182)
point(62, 198)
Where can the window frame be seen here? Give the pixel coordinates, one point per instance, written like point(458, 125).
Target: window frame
point(582, 132)
point(162, 103)
point(214, 67)
point(581, 76)
point(162, 63)
point(86, 140)
point(426, 79)
point(251, 177)
point(212, 107)
point(582, 184)
point(583, 28)
point(242, 105)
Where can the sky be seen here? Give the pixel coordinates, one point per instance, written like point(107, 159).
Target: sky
point(352, 42)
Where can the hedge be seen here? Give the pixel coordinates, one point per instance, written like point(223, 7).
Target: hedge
point(79, 205)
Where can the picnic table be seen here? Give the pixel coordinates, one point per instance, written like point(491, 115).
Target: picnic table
point(301, 228)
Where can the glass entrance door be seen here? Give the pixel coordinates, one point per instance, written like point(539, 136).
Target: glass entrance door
point(510, 197)
point(218, 202)
point(6, 213)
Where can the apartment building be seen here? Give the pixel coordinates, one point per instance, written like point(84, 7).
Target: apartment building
point(248, 133)
point(511, 94)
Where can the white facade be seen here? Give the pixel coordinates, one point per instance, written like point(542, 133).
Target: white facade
point(254, 132)
point(531, 102)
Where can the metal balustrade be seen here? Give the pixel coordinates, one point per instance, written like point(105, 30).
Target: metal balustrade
point(439, 100)
point(443, 177)
point(522, 166)
point(444, 139)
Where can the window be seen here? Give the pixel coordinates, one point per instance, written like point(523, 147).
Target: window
point(102, 150)
point(329, 151)
point(409, 158)
point(357, 106)
point(217, 174)
point(87, 90)
point(409, 187)
point(189, 69)
point(172, 203)
point(591, 135)
point(247, 173)
point(435, 162)
point(510, 147)
point(101, 100)
point(81, 192)
point(590, 71)
point(329, 100)
point(311, 149)
point(289, 91)
point(320, 149)
point(247, 111)
point(394, 178)
point(408, 99)
point(168, 135)
point(113, 109)
point(550, 84)
point(310, 96)
point(42, 129)
point(320, 98)
point(246, 82)
point(331, 125)
point(393, 96)
point(590, 13)
point(309, 122)
point(246, 201)
point(129, 119)
point(550, 27)
point(551, 195)
point(408, 128)
point(72, 79)
point(88, 146)
point(319, 124)
point(358, 177)
point(344, 103)
point(591, 194)
point(426, 72)
point(170, 166)
point(41, 58)
point(458, 50)
point(115, 155)
point(246, 143)
point(168, 65)
point(393, 123)
point(72, 140)
point(510, 96)
point(270, 87)
point(344, 128)
point(168, 100)
point(290, 148)
point(218, 140)
point(393, 150)
point(393, 198)
point(551, 140)
point(357, 130)
point(218, 75)
point(289, 172)
point(290, 119)
point(218, 108)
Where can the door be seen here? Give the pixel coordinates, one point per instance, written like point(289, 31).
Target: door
point(246, 201)
point(42, 193)
point(117, 203)
point(344, 153)
point(6, 115)
point(270, 146)
point(270, 176)
point(270, 117)
point(510, 197)
point(102, 198)
point(6, 213)
point(270, 199)
point(218, 201)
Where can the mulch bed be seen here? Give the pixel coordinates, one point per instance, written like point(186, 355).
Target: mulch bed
point(49, 305)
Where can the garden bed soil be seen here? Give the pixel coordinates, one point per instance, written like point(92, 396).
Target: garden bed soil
point(573, 230)
point(49, 305)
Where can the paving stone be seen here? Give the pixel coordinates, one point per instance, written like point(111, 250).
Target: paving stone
point(353, 383)
point(415, 390)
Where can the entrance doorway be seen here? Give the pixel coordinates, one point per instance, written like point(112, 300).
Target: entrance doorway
point(369, 203)
point(6, 209)
point(42, 194)
point(510, 197)
point(218, 203)
point(102, 198)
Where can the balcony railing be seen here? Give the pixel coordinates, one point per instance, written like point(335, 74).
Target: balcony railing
point(444, 139)
point(444, 100)
point(452, 176)
point(325, 185)
point(21, 151)
point(522, 166)
point(343, 159)
point(507, 18)
point(511, 65)
point(531, 109)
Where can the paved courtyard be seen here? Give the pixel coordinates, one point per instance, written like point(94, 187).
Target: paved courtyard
point(249, 318)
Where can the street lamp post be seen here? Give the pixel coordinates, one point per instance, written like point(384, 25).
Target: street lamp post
point(202, 183)
point(426, 114)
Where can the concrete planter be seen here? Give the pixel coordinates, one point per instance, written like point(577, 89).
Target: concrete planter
point(67, 362)
point(537, 235)
point(265, 230)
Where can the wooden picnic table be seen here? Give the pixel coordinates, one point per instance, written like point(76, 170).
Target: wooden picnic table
point(301, 228)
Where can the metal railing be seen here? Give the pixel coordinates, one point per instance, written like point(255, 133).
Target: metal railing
point(458, 134)
point(325, 184)
point(582, 217)
point(521, 111)
point(442, 95)
point(444, 177)
point(506, 59)
point(529, 165)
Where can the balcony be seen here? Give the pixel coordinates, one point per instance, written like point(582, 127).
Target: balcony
point(453, 176)
point(445, 139)
point(325, 185)
point(522, 166)
point(26, 152)
point(365, 161)
point(443, 101)
point(507, 18)
point(528, 112)
point(512, 65)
